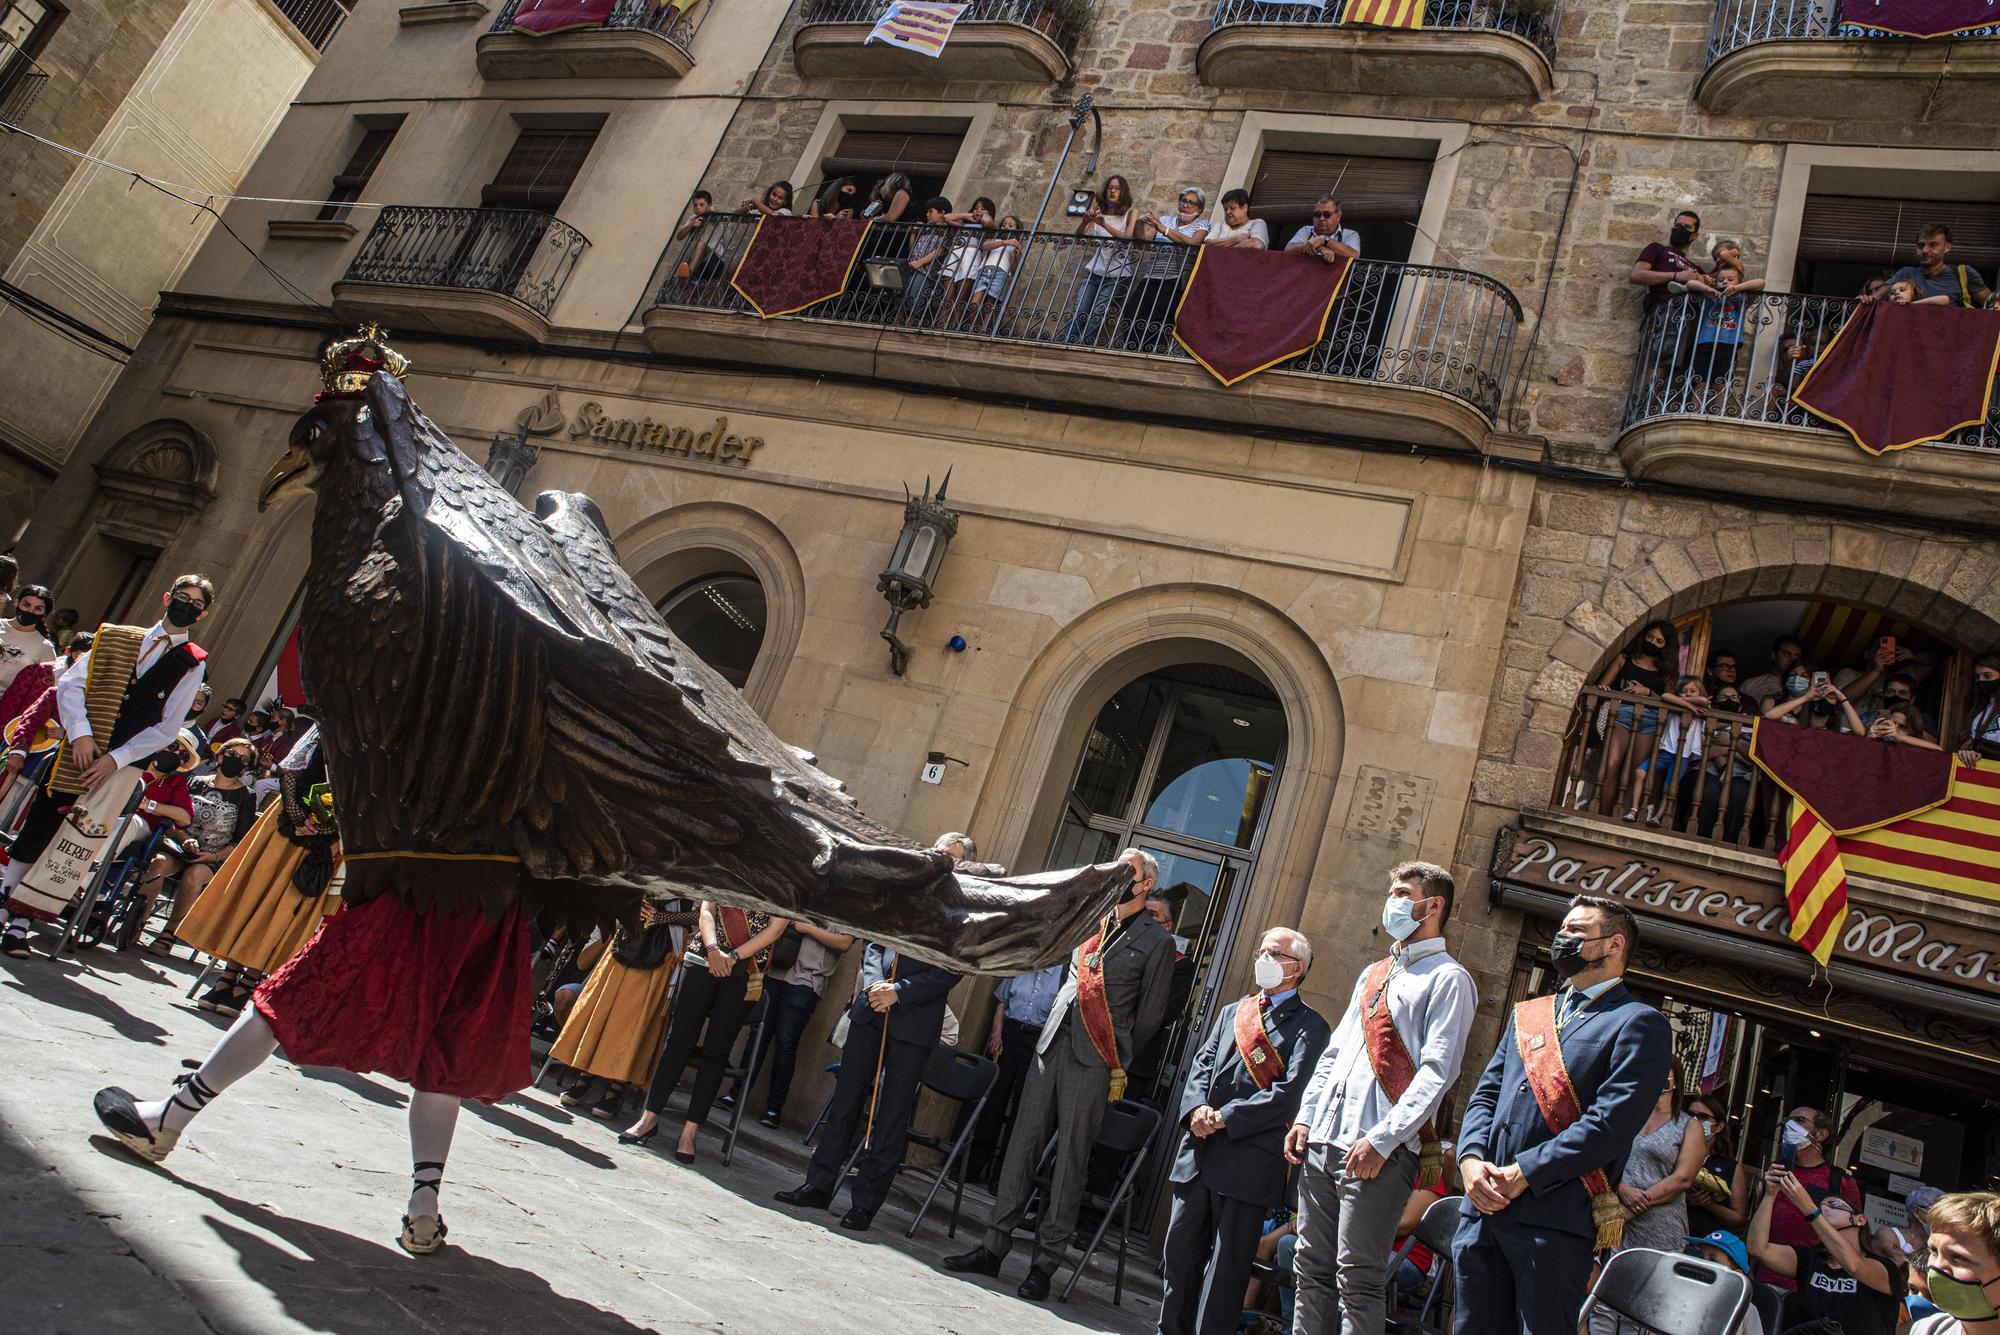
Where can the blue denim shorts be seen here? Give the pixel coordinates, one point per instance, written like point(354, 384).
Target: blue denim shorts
point(991, 282)
point(1648, 719)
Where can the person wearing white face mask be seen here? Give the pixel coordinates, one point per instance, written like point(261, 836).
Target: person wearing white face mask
point(1242, 1092)
point(1364, 1130)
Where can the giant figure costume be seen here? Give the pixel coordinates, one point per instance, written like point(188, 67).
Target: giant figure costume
point(513, 732)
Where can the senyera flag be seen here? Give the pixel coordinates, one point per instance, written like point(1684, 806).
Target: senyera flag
point(916, 25)
point(539, 18)
point(1919, 18)
point(1247, 310)
point(1953, 847)
point(1841, 786)
point(1897, 376)
point(1385, 13)
point(793, 263)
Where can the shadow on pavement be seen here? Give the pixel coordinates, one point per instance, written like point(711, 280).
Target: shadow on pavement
point(359, 1085)
point(527, 1129)
point(55, 982)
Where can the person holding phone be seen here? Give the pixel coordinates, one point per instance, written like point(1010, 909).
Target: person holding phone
point(1837, 1283)
point(1802, 1152)
point(1812, 699)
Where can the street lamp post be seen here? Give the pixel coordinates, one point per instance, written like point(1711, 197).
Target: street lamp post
point(911, 577)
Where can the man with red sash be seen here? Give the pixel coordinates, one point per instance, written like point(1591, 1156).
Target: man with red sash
point(1364, 1134)
point(1547, 1130)
point(1242, 1091)
point(112, 718)
point(1111, 1004)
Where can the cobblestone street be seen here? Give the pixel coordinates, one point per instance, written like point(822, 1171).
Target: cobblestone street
point(279, 1209)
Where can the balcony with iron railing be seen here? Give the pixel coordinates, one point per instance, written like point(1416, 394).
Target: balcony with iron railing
point(1475, 49)
point(1816, 59)
point(22, 82)
point(488, 273)
point(1703, 411)
point(1004, 40)
point(642, 39)
point(315, 20)
point(1413, 353)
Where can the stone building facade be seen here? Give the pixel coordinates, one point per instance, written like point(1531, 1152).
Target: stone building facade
point(1415, 554)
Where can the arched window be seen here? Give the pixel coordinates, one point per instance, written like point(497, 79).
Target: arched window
point(721, 618)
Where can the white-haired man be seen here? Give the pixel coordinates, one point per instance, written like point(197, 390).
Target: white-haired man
point(1112, 1002)
point(1365, 1128)
point(1242, 1093)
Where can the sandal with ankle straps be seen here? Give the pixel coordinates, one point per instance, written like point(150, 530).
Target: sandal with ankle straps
point(425, 1233)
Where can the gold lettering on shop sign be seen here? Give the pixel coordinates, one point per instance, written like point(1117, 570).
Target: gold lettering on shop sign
point(646, 436)
point(542, 418)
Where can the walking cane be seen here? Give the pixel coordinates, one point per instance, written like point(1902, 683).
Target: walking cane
point(881, 1058)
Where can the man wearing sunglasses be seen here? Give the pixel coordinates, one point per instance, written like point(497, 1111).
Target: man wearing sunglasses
point(147, 707)
point(1324, 237)
point(1838, 1279)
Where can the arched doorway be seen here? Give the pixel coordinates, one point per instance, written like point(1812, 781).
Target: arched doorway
point(721, 617)
point(1182, 762)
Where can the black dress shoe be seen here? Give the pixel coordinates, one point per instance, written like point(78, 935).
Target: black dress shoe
point(1036, 1286)
point(805, 1197)
point(978, 1261)
point(770, 1119)
point(857, 1219)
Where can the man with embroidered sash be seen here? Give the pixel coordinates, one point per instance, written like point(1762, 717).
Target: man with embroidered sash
point(1364, 1133)
point(122, 702)
point(1111, 1004)
point(1242, 1092)
point(1547, 1130)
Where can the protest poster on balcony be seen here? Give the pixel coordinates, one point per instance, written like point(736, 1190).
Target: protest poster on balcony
point(539, 18)
point(1247, 310)
point(1917, 18)
point(915, 25)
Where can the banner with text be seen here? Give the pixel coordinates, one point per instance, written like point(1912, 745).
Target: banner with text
point(916, 25)
point(1897, 376)
point(1247, 310)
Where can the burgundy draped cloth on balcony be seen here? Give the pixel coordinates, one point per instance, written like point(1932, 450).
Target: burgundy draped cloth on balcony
point(1852, 783)
point(1897, 376)
point(793, 263)
point(1919, 18)
point(1247, 310)
point(539, 18)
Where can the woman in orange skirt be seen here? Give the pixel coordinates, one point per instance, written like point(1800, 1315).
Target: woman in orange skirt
point(618, 1023)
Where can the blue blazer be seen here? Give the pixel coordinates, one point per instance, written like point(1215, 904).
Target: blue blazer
point(1617, 1050)
point(918, 1015)
point(1246, 1159)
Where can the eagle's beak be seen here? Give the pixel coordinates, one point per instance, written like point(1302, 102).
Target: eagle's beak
point(284, 476)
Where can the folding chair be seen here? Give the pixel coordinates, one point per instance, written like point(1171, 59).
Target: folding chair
point(966, 1077)
point(1769, 1300)
point(812, 1132)
point(753, 1044)
point(1128, 1129)
point(1434, 1232)
point(1668, 1292)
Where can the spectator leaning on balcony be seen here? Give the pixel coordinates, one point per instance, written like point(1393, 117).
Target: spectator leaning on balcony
point(962, 265)
point(841, 199)
point(1238, 227)
point(1881, 662)
point(1679, 753)
point(998, 255)
point(1108, 271)
point(926, 249)
point(1811, 698)
point(709, 261)
point(1660, 264)
point(777, 201)
point(1726, 771)
point(1902, 725)
point(1324, 238)
point(1640, 670)
point(1762, 689)
point(890, 200)
point(1935, 277)
point(1722, 671)
point(1718, 331)
point(1152, 310)
point(1982, 733)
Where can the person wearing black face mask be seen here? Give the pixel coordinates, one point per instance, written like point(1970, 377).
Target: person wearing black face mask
point(22, 643)
point(222, 813)
point(145, 704)
point(1540, 1182)
point(1838, 1280)
point(1660, 264)
point(1982, 734)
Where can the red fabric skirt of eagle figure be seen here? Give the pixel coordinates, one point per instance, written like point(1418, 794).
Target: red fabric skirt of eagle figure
point(437, 1000)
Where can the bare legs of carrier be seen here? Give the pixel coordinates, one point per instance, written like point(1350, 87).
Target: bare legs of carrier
point(151, 1130)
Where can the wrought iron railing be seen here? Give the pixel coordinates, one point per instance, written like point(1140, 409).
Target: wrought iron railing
point(316, 20)
point(676, 25)
point(1447, 330)
point(518, 253)
point(21, 84)
point(1061, 21)
point(1741, 23)
point(1741, 359)
point(1535, 21)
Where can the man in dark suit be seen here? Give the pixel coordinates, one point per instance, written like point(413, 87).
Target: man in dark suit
point(907, 996)
point(1241, 1094)
point(1535, 1199)
point(1080, 1063)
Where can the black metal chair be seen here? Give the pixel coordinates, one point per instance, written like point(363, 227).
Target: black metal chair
point(1434, 1232)
point(753, 1044)
point(1769, 1300)
point(1669, 1292)
point(955, 1073)
point(1128, 1130)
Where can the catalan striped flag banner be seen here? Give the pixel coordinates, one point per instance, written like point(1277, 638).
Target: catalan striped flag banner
point(1842, 787)
point(1954, 847)
point(1385, 13)
point(1835, 634)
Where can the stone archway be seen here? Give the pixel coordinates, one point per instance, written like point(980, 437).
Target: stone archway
point(156, 479)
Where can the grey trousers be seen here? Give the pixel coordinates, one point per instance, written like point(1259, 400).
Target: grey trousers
point(1069, 1096)
point(1347, 1229)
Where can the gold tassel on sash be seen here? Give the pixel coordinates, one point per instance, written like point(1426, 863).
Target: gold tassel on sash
point(1117, 1091)
point(114, 653)
point(1430, 1164)
point(1608, 1213)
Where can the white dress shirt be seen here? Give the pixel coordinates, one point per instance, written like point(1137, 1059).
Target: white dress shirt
point(1432, 1000)
point(75, 716)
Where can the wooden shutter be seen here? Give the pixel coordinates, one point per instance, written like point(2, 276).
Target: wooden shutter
point(1852, 229)
point(1290, 182)
point(878, 152)
point(539, 169)
point(350, 180)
